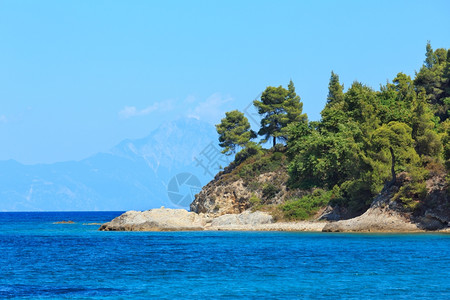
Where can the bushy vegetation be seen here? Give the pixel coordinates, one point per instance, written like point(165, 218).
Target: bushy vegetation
point(259, 164)
point(252, 149)
point(364, 139)
point(307, 206)
point(270, 190)
point(255, 202)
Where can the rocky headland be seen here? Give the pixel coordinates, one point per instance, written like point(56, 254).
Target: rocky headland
point(226, 205)
point(241, 199)
point(376, 161)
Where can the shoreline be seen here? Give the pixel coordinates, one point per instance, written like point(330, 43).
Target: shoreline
point(163, 219)
point(288, 227)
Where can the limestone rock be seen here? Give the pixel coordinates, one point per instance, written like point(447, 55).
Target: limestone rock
point(220, 199)
point(246, 218)
point(161, 219)
point(375, 219)
point(181, 220)
point(223, 196)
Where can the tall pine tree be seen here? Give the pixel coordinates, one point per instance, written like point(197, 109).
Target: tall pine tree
point(279, 108)
point(234, 131)
point(333, 114)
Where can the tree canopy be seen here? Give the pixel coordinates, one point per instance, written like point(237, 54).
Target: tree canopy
point(365, 138)
point(234, 131)
point(279, 107)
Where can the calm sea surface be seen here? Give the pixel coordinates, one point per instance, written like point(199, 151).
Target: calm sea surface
point(39, 259)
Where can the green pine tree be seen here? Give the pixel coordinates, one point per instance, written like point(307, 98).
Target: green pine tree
point(427, 141)
point(234, 131)
point(430, 57)
point(279, 108)
point(293, 107)
point(333, 113)
point(335, 90)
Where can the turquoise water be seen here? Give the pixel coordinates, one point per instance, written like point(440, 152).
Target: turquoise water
point(42, 260)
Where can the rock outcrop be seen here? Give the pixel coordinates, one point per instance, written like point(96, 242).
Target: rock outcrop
point(389, 215)
point(162, 219)
point(246, 218)
point(375, 219)
point(434, 213)
point(229, 194)
point(220, 199)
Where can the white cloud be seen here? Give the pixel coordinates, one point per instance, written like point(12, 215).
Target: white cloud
point(212, 109)
point(132, 111)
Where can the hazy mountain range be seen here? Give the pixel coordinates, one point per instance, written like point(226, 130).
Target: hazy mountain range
point(166, 168)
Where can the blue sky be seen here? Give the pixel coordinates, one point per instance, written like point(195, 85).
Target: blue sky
point(77, 77)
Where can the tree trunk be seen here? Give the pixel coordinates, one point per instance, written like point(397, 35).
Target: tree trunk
point(274, 141)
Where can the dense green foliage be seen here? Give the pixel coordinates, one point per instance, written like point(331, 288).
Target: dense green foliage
point(279, 107)
point(434, 77)
point(305, 207)
point(365, 139)
point(234, 131)
point(259, 164)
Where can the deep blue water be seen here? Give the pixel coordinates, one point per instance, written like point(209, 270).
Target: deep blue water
point(39, 259)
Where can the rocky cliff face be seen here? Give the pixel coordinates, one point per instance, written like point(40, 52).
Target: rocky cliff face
point(388, 214)
point(434, 212)
point(234, 191)
point(384, 215)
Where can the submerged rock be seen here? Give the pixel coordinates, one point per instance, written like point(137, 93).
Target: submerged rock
point(64, 222)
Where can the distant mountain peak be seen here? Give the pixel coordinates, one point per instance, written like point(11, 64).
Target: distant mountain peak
point(179, 140)
point(132, 175)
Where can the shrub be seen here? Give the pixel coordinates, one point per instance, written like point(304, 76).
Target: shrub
point(254, 185)
point(306, 206)
point(270, 190)
point(410, 195)
point(258, 164)
point(433, 166)
point(350, 194)
point(254, 200)
point(252, 149)
point(279, 148)
point(277, 156)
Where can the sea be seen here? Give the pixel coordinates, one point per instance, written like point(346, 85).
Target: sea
point(43, 260)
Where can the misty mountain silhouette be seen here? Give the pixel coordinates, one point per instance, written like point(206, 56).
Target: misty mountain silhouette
point(133, 175)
